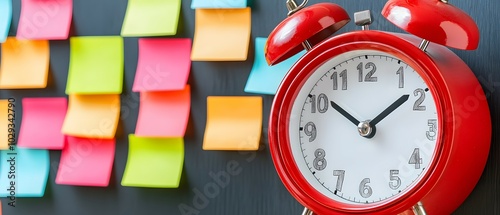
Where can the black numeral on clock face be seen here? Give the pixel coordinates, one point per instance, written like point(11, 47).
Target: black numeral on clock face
point(335, 76)
point(401, 74)
point(340, 179)
point(431, 134)
point(369, 76)
point(319, 162)
point(364, 188)
point(420, 93)
point(310, 130)
point(321, 103)
point(415, 158)
point(395, 181)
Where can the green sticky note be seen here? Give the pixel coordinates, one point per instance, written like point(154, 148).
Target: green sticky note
point(96, 65)
point(151, 18)
point(154, 162)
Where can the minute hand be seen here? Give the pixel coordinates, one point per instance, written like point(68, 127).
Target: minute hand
point(389, 109)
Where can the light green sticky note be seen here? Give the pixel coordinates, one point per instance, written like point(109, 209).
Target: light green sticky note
point(154, 162)
point(151, 18)
point(96, 65)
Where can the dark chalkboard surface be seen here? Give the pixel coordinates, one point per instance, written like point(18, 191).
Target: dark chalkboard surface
point(255, 188)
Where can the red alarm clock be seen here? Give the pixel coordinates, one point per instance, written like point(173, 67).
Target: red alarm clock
point(374, 122)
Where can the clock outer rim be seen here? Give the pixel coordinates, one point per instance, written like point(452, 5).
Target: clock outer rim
point(439, 85)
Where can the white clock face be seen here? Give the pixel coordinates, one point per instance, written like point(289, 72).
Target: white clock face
point(364, 127)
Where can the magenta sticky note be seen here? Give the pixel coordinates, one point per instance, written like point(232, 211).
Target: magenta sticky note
point(164, 113)
point(42, 122)
point(45, 19)
point(86, 162)
point(163, 64)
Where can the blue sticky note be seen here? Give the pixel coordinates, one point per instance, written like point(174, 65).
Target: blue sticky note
point(5, 18)
point(24, 172)
point(265, 79)
point(218, 4)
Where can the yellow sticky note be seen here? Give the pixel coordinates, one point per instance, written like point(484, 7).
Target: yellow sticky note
point(221, 34)
point(25, 64)
point(233, 123)
point(4, 124)
point(154, 162)
point(92, 116)
point(151, 18)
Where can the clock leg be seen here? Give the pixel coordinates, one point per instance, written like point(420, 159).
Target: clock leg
point(419, 209)
point(307, 212)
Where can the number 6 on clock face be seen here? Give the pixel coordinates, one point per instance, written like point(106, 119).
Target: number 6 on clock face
point(386, 95)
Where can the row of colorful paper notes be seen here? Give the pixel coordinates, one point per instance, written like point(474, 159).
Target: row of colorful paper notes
point(96, 66)
point(84, 161)
point(51, 19)
point(220, 34)
point(233, 123)
point(103, 56)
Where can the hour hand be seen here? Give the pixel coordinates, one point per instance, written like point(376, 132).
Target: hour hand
point(344, 113)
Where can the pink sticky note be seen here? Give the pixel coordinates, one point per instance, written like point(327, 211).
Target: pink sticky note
point(45, 19)
point(163, 114)
point(86, 162)
point(163, 64)
point(42, 122)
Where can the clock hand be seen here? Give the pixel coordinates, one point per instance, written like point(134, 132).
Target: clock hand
point(389, 109)
point(344, 113)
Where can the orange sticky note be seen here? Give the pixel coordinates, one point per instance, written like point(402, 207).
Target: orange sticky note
point(221, 34)
point(47, 20)
point(4, 124)
point(46, 113)
point(92, 116)
point(86, 162)
point(233, 123)
point(163, 113)
point(25, 64)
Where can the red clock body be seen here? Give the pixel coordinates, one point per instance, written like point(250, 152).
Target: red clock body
point(368, 122)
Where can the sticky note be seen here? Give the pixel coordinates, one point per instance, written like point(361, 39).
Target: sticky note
point(163, 64)
point(154, 162)
point(45, 20)
point(5, 18)
point(265, 79)
point(42, 122)
point(25, 64)
point(151, 18)
point(92, 116)
point(195, 4)
point(86, 162)
point(96, 65)
point(163, 113)
point(233, 123)
point(5, 124)
point(25, 171)
point(221, 34)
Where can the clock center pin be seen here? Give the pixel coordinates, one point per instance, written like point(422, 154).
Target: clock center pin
point(366, 130)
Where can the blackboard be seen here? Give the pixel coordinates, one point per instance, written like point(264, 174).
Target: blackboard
point(255, 188)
